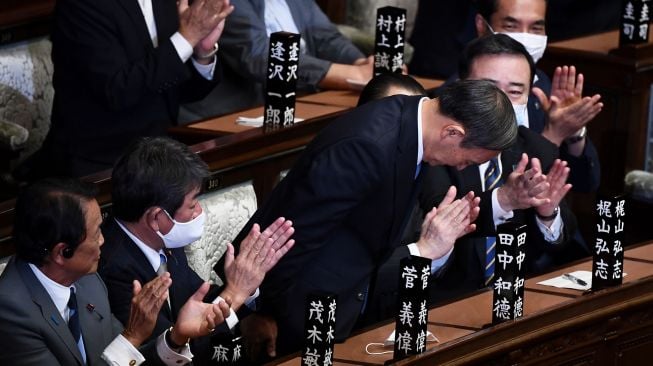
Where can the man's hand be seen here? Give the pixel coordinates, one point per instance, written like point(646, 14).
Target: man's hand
point(567, 110)
point(197, 318)
point(259, 252)
point(558, 188)
point(260, 335)
point(201, 21)
point(443, 225)
point(145, 307)
point(523, 187)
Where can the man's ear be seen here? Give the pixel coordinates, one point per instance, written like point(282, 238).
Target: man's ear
point(56, 255)
point(452, 133)
point(150, 217)
point(481, 25)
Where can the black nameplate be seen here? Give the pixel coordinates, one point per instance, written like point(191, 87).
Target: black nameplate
point(509, 272)
point(319, 330)
point(634, 23)
point(227, 350)
point(389, 41)
point(608, 248)
point(412, 316)
point(283, 61)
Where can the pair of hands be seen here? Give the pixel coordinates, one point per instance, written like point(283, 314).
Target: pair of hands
point(567, 110)
point(195, 318)
point(532, 188)
point(202, 22)
point(444, 224)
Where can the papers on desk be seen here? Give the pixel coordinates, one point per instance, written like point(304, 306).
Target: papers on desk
point(563, 281)
point(256, 121)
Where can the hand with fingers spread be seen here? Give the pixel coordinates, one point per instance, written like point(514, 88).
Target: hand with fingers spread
point(567, 110)
point(203, 21)
point(446, 223)
point(558, 188)
point(259, 252)
point(145, 307)
point(197, 318)
point(523, 187)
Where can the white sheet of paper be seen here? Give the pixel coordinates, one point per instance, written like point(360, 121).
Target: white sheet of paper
point(564, 283)
point(256, 121)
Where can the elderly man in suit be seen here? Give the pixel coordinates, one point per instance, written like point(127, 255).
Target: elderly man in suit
point(156, 213)
point(121, 68)
point(54, 308)
point(349, 193)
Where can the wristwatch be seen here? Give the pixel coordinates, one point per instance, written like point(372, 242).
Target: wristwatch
point(550, 217)
point(575, 138)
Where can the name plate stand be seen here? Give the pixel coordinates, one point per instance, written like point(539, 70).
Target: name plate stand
point(319, 330)
point(227, 350)
point(608, 256)
point(283, 60)
point(412, 319)
point(634, 23)
point(389, 41)
point(509, 272)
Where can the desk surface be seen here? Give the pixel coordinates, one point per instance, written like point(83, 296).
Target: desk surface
point(471, 316)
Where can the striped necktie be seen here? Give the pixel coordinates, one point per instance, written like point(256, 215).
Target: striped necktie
point(492, 179)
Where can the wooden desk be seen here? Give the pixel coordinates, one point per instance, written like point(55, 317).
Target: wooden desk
point(560, 326)
point(227, 124)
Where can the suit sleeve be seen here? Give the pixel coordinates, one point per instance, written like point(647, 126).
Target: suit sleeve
point(90, 39)
point(585, 170)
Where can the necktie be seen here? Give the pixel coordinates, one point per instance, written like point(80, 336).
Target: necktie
point(492, 179)
point(163, 266)
point(73, 322)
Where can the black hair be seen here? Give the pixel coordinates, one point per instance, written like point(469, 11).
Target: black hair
point(487, 7)
point(49, 212)
point(493, 44)
point(483, 110)
point(155, 171)
point(380, 85)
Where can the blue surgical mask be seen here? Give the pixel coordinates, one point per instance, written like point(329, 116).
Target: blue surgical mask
point(521, 113)
point(183, 233)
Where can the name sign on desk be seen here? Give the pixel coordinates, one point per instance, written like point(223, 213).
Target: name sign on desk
point(283, 61)
point(608, 248)
point(509, 272)
point(227, 350)
point(389, 41)
point(319, 330)
point(635, 20)
point(412, 316)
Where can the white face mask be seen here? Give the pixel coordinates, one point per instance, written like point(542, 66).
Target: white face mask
point(521, 113)
point(535, 44)
point(183, 233)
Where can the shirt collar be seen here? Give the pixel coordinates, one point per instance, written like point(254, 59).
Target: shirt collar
point(58, 292)
point(420, 142)
point(151, 254)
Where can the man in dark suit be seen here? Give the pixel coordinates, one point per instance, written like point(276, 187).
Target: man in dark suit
point(121, 69)
point(155, 186)
point(350, 191)
point(54, 308)
point(556, 109)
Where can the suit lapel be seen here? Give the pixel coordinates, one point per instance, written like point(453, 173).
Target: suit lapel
point(49, 312)
point(91, 317)
point(135, 14)
point(166, 18)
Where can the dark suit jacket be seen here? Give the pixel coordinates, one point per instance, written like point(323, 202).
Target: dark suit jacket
point(347, 196)
point(464, 272)
point(122, 262)
point(33, 333)
point(111, 85)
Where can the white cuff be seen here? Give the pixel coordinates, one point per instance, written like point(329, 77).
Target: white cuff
point(121, 352)
point(183, 48)
point(499, 215)
point(249, 302)
point(551, 234)
point(437, 263)
point(232, 319)
point(170, 357)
